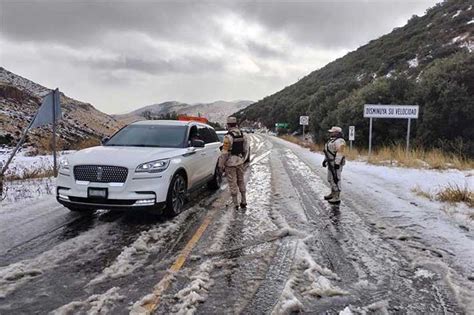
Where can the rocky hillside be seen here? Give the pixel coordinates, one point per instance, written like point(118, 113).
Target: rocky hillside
point(428, 62)
point(215, 112)
point(20, 99)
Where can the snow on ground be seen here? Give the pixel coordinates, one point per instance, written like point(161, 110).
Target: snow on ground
point(95, 304)
point(307, 279)
point(469, 44)
point(22, 163)
point(413, 63)
point(386, 192)
point(456, 14)
point(459, 38)
point(20, 273)
point(196, 291)
point(470, 22)
point(149, 242)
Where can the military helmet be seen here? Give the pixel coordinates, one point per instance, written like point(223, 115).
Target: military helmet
point(335, 129)
point(231, 120)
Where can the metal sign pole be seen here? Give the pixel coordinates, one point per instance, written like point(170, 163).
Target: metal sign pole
point(54, 134)
point(303, 133)
point(370, 137)
point(350, 143)
point(408, 135)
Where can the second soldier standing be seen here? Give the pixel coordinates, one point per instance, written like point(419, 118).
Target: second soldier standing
point(334, 161)
point(232, 162)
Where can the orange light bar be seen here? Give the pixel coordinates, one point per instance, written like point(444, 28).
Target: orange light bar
point(192, 118)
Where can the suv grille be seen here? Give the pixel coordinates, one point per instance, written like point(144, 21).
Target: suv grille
point(100, 173)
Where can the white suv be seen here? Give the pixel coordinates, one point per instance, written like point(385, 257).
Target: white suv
point(148, 164)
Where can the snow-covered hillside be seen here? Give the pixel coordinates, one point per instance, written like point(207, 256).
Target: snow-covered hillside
point(216, 111)
point(20, 99)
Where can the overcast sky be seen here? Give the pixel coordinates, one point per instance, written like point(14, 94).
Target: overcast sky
point(121, 55)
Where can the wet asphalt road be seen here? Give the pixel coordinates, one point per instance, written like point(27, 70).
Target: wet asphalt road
point(289, 245)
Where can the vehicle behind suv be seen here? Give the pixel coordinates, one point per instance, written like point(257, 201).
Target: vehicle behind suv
point(145, 165)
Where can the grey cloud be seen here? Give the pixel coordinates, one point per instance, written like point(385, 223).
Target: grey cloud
point(78, 22)
point(331, 24)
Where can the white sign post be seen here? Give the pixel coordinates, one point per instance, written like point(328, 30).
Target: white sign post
point(391, 111)
point(352, 130)
point(304, 121)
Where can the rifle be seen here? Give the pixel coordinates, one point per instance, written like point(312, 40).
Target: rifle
point(332, 170)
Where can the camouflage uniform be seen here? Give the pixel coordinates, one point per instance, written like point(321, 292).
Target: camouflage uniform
point(334, 150)
point(234, 165)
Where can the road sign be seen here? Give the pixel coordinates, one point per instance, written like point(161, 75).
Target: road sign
point(304, 120)
point(281, 125)
point(391, 111)
point(352, 131)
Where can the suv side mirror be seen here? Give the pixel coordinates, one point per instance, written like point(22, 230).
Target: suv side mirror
point(198, 143)
point(105, 140)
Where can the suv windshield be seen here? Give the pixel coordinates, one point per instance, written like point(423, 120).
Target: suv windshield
point(149, 136)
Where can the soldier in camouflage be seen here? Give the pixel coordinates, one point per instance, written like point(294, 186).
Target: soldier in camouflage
point(232, 161)
point(334, 161)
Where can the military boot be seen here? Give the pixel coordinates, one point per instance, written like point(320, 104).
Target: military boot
point(335, 200)
point(243, 202)
point(328, 197)
point(235, 202)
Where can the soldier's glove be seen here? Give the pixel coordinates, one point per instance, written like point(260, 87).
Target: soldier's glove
point(325, 163)
point(337, 166)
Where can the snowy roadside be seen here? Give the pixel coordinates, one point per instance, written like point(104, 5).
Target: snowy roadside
point(22, 164)
point(402, 182)
point(30, 171)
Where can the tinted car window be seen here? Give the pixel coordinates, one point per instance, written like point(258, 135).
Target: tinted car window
point(149, 136)
point(214, 136)
point(205, 134)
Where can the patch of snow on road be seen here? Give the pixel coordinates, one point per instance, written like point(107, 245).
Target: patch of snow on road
point(423, 273)
point(149, 242)
point(15, 275)
point(195, 292)
point(288, 302)
point(259, 199)
point(346, 311)
point(306, 278)
point(94, 305)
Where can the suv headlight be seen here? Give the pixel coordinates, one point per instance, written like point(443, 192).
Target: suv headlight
point(153, 166)
point(64, 164)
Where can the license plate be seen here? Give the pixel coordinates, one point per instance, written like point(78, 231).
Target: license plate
point(98, 193)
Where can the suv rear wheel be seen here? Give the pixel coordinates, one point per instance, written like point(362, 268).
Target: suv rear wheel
point(176, 198)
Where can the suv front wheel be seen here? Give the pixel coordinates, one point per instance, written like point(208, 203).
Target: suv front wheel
point(176, 198)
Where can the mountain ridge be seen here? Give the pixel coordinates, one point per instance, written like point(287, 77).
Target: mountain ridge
point(216, 111)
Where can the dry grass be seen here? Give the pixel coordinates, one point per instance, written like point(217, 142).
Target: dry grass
point(31, 174)
point(421, 193)
point(455, 193)
point(44, 145)
point(397, 156)
point(452, 193)
point(87, 143)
